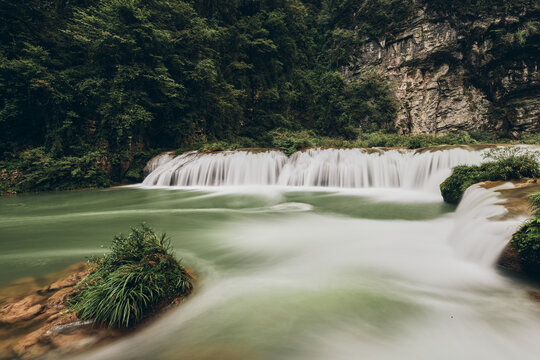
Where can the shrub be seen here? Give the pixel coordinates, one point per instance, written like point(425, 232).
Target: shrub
point(36, 170)
point(527, 239)
point(530, 139)
point(292, 141)
point(509, 163)
point(138, 275)
point(535, 202)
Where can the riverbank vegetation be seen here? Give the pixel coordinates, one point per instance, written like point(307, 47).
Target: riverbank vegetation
point(508, 163)
point(290, 141)
point(527, 240)
point(139, 275)
point(94, 88)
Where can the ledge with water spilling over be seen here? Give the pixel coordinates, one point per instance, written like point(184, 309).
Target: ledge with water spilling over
point(338, 168)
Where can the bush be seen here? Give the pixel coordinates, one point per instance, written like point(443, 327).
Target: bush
point(137, 276)
point(37, 170)
point(292, 141)
point(535, 202)
point(527, 239)
point(509, 163)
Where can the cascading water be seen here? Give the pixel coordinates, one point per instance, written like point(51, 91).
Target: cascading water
point(225, 168)
point(342, 168)
point(158, 161)
point(384, 271)
point(476, 234)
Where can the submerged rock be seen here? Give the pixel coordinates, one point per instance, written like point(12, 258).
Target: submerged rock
point(22, 310)
point(37, 323)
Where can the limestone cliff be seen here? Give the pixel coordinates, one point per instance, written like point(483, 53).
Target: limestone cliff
point(461, 72)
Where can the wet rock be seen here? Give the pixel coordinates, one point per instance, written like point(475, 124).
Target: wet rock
point(509, 259)
point(59, 298)
point(68, 327)
point(22, 310)
point(535, 295)
point(70, 281)
point(54, 331)
point(32, 345)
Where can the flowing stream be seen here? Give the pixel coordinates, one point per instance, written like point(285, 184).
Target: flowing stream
point(327, 254)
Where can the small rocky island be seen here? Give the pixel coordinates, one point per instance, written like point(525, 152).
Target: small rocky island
point(93, 303)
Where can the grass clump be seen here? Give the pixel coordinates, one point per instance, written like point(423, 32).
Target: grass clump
point(527, 239)
point(134, 279)
point(509, 163)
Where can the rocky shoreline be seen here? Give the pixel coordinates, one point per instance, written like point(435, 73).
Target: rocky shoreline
point(35, 321)
point(516, 203)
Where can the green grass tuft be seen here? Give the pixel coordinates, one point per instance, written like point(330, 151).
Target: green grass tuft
point(130, 282)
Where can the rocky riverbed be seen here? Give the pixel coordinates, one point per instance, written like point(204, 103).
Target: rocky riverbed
point(35, 320)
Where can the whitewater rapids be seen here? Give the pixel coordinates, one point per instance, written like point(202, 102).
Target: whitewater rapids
point(335, 254)
point(340, 168)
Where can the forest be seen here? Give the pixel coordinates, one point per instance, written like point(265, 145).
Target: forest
point(90, 89)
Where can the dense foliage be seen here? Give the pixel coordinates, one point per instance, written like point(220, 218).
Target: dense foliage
point(290, 141)
point(527, 239)
point(139, 274)
point(509, 163)
point(475, 7)
point(122, 78)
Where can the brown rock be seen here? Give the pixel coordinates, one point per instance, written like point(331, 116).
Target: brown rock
point(32, 345)
point(73, 341)
point(70, 281)
point(509, 259)
point(535, 295)
point(22, 310)
point(56, 331)
point(58, 299)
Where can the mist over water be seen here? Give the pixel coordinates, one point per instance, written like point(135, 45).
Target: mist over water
point(302, 272)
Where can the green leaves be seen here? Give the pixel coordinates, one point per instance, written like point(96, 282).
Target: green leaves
point(510, 163)
point(527, 242)
point(139, 274)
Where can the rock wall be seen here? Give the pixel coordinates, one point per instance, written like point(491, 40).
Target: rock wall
point(451, 73)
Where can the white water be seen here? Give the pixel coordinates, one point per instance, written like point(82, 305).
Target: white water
point(311, 285)
point(475, 235)
point(158, 161)
point(341, 168)
point(296, 279)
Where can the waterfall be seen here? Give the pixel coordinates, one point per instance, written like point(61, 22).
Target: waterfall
point(341, 168)
point(219, 169)
point(158, 161)
point(477, 234)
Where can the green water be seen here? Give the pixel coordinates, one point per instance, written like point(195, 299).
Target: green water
point(289, 274)
point(43, 233)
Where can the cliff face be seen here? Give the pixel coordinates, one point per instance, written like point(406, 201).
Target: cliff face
point(455, 73)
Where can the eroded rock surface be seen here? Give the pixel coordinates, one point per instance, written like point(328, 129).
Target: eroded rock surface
point(518, 206)
point(35, 321)
point(452, 73)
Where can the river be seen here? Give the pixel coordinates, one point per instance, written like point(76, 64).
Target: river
point(296, 263)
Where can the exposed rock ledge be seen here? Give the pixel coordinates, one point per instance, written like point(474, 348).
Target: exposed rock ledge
point(450, 73)
point(35, 321)
point(517, 205)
